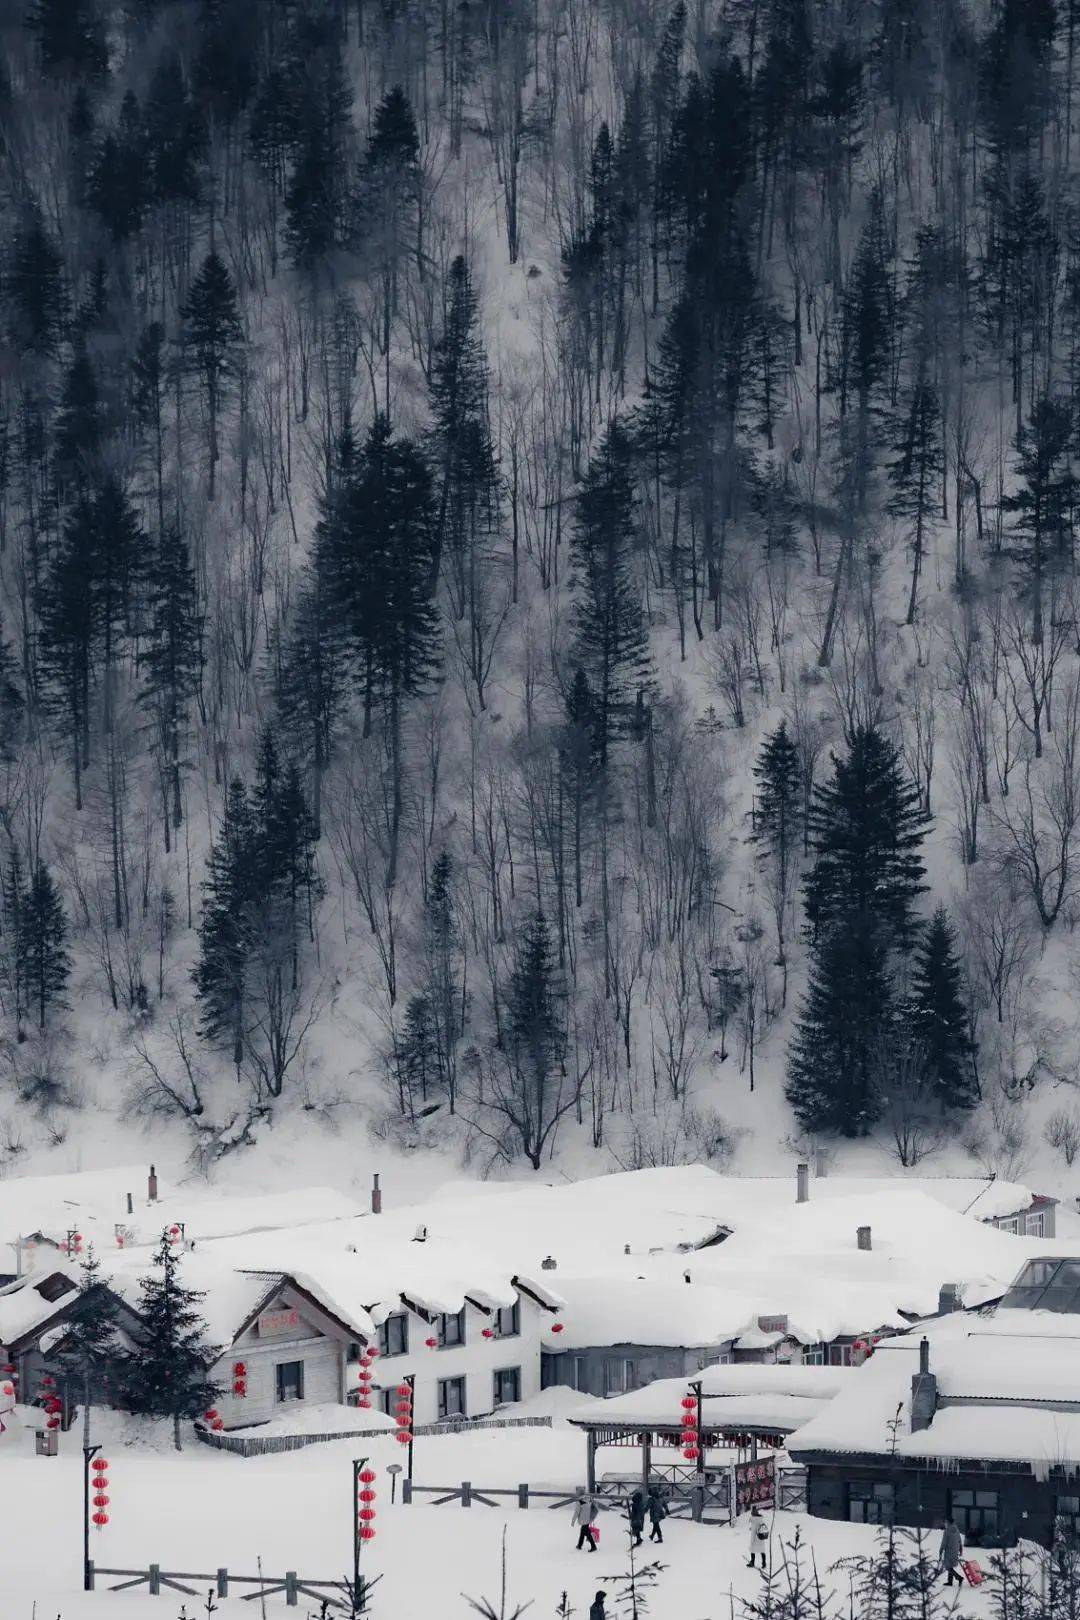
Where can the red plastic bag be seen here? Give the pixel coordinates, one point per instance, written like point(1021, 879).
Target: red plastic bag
point(972, 1572)
point(594, 1531)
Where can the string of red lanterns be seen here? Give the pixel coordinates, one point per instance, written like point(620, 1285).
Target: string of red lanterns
point(366, 1513)
point(100, 1485)
point(688, 1422)
point(239, 1387)
point(403, 1413)
point(213, 1417)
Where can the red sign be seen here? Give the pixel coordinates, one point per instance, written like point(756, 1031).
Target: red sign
point(275, 1323)
point(755, 1483)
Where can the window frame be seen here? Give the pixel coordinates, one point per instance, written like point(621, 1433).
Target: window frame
point(442, 1387)
point(975, 1519)
point(878, 1495)
point(441, 1323)
point(499, 1399)
point(401, 1318)
point(281, 1399)
point(514, 1313)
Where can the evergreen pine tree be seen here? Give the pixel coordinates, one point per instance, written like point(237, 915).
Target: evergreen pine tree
point(224, 72)
point(611, 638)
point(842, 1038)
point(459, 404)
point(35, 285)
point(212, 338)
point(445, 971)
point(166, 1375)
point(14, 965)
point(776, 807)
point(45, 961)
point(175, 135)
point(866, 829)
point(70, 36)
point(118, 187)
point(416, 1056)
point(1042, 533)
point(172, 661)
point(79, 424)
point(320, 140)
point(67, 617)
point(12, 704)
point(225, 927)
point(916, 475)
point(533, 1100)
point(88, 1356)
point(938, 1018)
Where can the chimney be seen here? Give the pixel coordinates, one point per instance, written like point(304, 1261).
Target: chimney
point(923, 1391)
point(151, 1185)
point(130, 1205)
point(802, 1183)
point(948, 1298)
point(821, 1162)
point(863, 1237)
point(376, 1196)
point(548, 1264)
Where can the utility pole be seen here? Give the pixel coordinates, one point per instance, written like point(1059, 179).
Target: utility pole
point(89, 1453)
point(359, 1599)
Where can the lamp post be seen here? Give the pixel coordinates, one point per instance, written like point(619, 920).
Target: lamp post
point(89, 1453)
point(364, 1476)
point(393, 1469)
point(410, 1379)
point(695, 1385)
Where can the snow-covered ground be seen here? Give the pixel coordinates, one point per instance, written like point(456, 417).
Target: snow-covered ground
point(203, 1510)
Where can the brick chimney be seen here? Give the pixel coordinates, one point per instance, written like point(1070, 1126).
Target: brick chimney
point(151, 1185)
point(863, 1238)
point(802, 1183)
point(548, 1264)
point(376, 1196)
point(924, 1391)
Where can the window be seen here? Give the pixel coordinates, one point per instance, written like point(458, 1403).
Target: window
point(394, 1335)
point(450, 1328)
point(614, 1376)
point(386, 1399)
point(975, 1514)
point(814, 1355)
point(290, 1380)
point(1046, 1285)
point(839, 1355)
point(507, 1385)
point(451, 1397)
point(581, 1374)
point(1036, 1224)
point(508, 1321)
point(1067, 1513)
point(871, 1501)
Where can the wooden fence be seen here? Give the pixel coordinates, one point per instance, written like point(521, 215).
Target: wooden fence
point(262, 1445)
point(221, 1582)
point(467, 1493)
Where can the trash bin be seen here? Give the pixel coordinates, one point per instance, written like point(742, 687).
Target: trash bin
point(45, 1442)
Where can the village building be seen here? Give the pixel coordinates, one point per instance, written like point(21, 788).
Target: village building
point(976, 1419)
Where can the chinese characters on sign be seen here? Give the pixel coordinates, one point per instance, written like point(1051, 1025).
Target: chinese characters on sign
point(755, 1483)
point(275, 1323)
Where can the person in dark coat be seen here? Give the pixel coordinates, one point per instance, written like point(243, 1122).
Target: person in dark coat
point(952, 1547)
point(657, 1513)
point(635, 1512)
point(597, 1609)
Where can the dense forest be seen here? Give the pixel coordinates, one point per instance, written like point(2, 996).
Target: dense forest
point(539, 576)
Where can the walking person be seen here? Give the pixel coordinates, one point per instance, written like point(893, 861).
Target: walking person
point(635, 1512)
point(597, 1608)
point(952, 1547)
point(657, 1513)
point(758, 1535)
point(584, 1514)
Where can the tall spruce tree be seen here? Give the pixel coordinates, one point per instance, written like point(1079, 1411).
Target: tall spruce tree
point(611, 640)
point(534, 1096)
point(221, 972)
point(119, 182)
point(1042, 508)
point(938, 1018)
point(866, 832)
point(166, 1374)
point(212, 338)
point(89, 1355)
point(70, 36)
point(42, 945)
point(838, 1056)
point(777, 828)
point(915, 476)
point(172, 662)
point(36, 291)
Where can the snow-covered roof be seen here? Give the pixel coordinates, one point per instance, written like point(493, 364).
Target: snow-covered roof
point(779, 1403)
point(1008, 1386)
point(644, 1310)
point(23, 1309)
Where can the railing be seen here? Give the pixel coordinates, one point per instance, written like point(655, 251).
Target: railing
point(467, 1493)
point(263, 1445)
point(334, 1593)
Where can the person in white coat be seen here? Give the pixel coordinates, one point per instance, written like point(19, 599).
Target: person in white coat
point(758, 1536)
point(583, 1516)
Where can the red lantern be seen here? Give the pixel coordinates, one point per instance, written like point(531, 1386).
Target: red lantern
point(101, 1520)
point(367, 1533)
point(688, 1420)
point(373, 1351)
point(101, 1483)
point(488, 1333)
point(368, 1495)
point(403, 1438)
point(52, 1423)
point(363, 1401)
point(690, 1452)
point(101, 1501)
point(210, 1414)
point(403, 1420)
point(404, 1390)
point(860, 1344)
point(556, 1327)
point(239, 1369)
point(239, 1386)
point(8, 1389)
point(47, 1382)
point(367, 1514)
point(99, 1465)
point(432, 1344)
point(218, 1423)
point(368, 1476)
point(688, 1403)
